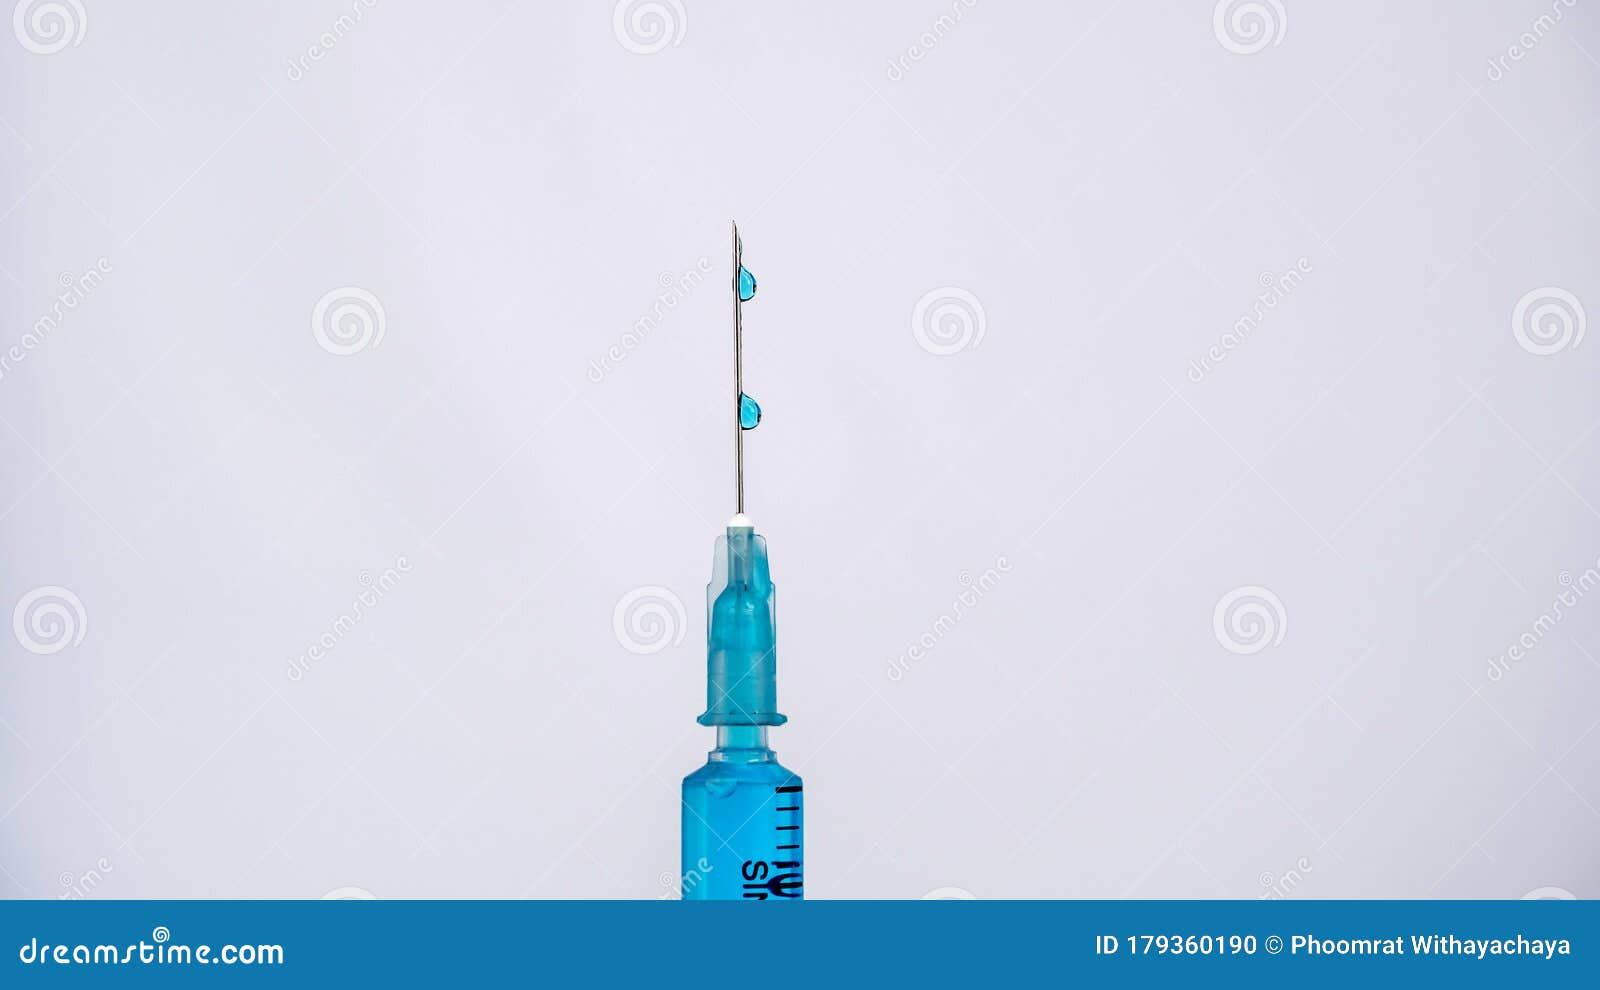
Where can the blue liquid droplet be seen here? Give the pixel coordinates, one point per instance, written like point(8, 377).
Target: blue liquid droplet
point(747, 287)
point(749, 412)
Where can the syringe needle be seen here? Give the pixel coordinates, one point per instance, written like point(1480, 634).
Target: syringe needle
point(738, 375)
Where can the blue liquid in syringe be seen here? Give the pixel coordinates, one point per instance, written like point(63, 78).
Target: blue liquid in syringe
point(742, 817)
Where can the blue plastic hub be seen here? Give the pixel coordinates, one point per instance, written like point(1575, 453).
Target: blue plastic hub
point(741, 634)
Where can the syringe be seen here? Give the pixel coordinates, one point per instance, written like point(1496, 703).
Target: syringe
point(742, 836)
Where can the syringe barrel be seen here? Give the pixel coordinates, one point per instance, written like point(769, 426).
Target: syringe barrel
point(742, 824)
